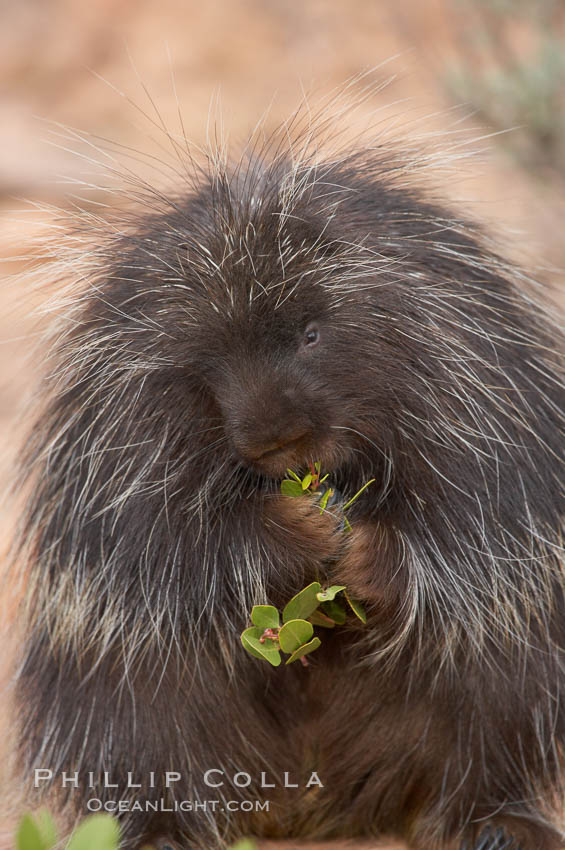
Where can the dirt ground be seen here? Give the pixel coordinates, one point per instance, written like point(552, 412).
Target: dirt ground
point(75, 64)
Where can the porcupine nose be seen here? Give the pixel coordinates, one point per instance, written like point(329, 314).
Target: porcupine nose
point(274, 424)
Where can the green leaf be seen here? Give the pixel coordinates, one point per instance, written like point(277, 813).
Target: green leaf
point(329, 593)
point(294, 475)
point(244, 844)
point(96, 832)
point(265, 616)
point(357, 608)
point(335, 611)
point(303, 604)
point(267, 651)
point(295, 633)
point(307, 480)
point(305, 649)
point(291, 488)
point(325, 498)
point(357, 494)
point(28, 836)
point(317, 466)
point(318, 618)
point(47, 828)
point(254, 631)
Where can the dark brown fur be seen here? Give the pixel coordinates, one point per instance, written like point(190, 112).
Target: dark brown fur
point(151, 535)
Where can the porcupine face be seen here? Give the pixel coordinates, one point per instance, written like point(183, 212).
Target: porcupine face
point(282, 361)
point(265, 331)
point(261, 359)
point(277, 370)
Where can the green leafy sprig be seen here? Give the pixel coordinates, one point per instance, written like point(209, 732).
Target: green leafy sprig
point(295, 487)
point(312, 606)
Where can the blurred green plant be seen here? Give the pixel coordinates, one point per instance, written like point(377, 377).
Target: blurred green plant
point(511, 69)
point(95, 832)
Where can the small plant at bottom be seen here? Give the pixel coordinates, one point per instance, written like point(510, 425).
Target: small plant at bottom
point(95, 832)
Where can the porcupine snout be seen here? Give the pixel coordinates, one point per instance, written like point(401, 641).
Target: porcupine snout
point(271, 422)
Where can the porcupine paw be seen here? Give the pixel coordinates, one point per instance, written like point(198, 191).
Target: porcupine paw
point(365, 542)
point(313, 534)
point(492, 840)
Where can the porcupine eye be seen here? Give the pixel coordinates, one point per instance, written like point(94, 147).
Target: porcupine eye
point(311, 336)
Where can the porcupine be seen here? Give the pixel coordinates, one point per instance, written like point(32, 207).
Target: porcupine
point(285, 310)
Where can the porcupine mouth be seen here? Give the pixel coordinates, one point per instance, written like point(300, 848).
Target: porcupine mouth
point(282, 449)
point(269, 467)
point(269, 482)
point(275, 460)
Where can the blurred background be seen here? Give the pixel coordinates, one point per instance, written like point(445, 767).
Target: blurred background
point(483, 75)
